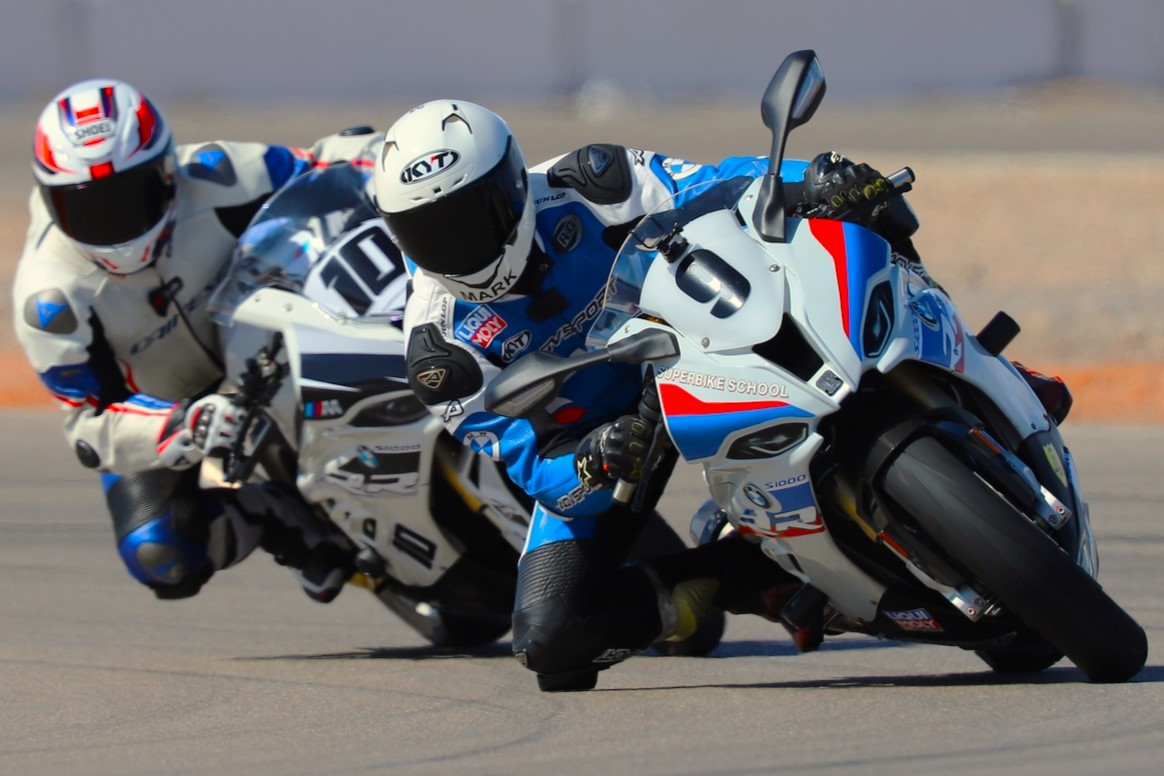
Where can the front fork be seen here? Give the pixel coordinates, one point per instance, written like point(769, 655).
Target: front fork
point(1041, 490)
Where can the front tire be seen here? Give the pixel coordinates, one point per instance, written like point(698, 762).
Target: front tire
point(1000, 548)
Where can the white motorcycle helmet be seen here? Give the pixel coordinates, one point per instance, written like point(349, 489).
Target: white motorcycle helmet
point(103, 157)
point(451, 184)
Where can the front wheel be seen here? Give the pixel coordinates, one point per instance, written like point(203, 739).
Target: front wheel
point(1004, 551)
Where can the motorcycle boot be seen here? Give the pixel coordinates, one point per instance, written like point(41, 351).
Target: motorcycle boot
point(748, 582)
point(323, 560)
point(682, 606)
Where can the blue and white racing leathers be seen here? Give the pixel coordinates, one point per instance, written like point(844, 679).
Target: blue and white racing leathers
point(582, 220)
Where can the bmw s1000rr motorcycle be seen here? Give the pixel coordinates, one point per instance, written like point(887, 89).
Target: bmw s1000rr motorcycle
point(850, 424)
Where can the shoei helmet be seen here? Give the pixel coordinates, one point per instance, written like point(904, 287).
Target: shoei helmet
point(452, 186)
point(103, 157)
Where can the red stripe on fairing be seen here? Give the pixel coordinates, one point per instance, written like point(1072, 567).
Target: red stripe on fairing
point(677, 401)
point(831, 235)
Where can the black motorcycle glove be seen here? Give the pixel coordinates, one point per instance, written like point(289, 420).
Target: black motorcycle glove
point(613, 452)
point(837, 188)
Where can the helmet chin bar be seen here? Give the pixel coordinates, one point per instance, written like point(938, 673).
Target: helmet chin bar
point(498, 278)
point(135, 255)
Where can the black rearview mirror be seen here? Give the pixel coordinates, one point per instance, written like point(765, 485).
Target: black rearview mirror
point(790, 100)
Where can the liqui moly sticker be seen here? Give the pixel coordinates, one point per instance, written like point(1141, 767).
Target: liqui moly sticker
point(914, 620)
point(480, 326)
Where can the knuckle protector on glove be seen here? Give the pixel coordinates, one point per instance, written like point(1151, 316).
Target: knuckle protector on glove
point(613, 452)
point(200, 423)
point(834, 185)
point(439, 372)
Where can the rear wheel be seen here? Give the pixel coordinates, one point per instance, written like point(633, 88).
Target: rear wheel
point(1032, 576)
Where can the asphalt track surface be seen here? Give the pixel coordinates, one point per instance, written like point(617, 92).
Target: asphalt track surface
point(97, 677)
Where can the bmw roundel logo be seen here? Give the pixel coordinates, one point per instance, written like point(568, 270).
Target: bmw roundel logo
point(757, 496)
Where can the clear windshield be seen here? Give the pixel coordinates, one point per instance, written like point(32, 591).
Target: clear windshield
point(291, 232)
point(625, 286)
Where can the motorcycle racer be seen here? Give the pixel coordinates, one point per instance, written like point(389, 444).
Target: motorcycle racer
point(509, 260)
point(129, 234)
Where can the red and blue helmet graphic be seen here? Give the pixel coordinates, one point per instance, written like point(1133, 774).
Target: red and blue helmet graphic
point(94, 129)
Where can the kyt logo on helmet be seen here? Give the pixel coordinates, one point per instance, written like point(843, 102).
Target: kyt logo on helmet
point(456, 162)
point(428, 165)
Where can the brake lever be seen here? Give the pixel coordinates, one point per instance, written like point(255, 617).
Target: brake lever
point(257, 387)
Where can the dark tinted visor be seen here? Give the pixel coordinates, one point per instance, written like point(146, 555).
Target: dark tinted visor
point(112, 210)
point(463, 232)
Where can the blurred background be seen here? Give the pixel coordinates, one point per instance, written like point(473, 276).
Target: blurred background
point(267, 50)
point(1035, 127)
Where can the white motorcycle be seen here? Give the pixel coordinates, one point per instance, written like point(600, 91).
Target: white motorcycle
point(310, 326)
point(850, 424)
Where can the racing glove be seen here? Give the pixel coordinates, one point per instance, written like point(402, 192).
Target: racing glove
point(613, 452)
point(194, 430)
point(837, 188)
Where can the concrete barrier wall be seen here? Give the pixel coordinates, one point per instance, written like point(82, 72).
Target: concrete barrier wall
point(659, 49)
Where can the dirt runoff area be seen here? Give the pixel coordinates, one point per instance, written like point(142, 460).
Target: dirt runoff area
point(1047, 206)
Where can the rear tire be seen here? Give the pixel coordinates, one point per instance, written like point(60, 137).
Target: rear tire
point(1031, 575)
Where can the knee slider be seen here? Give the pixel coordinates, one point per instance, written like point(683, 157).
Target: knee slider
point(159, 558)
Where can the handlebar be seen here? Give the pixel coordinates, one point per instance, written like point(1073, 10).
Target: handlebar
point(901, 180)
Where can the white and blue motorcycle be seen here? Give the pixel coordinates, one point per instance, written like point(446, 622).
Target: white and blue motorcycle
point(310, 327)
point(850, 424)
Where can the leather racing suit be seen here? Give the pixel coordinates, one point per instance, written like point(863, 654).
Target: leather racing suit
point(121, 354)
point(587, 201)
